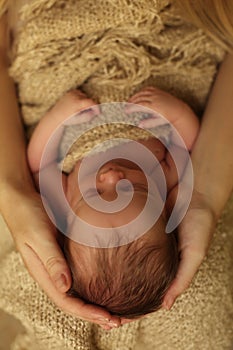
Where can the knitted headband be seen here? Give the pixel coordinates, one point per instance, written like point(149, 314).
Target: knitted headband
point(110, 124)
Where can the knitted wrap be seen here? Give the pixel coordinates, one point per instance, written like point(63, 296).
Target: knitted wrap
point(111, 49)
point(111, 124)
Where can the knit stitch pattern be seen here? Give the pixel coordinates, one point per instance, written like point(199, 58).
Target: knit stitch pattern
point(111, 49)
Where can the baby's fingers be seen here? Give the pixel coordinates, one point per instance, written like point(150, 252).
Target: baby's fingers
point(142, 99)
point(155, 119)
point(148, 91)
point(152, 122)
point(138, 107)
point(83, 116)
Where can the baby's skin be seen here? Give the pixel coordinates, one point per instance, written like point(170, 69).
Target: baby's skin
point(175, 111)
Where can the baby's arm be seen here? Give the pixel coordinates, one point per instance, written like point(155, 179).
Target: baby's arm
point(178, 113)
point(70, 104)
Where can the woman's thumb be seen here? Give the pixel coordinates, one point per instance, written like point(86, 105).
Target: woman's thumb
point(45, 261)
point(195, 232)
point(51, 255)
point(58, 270)
point(188, 266)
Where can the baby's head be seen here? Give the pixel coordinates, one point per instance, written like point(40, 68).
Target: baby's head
point(129, 280)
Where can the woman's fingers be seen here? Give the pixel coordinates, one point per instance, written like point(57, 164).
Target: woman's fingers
point(188, 266)
point(128, 320)
point(35, 235)
point(194, 236)
point(51, 256)
point(46, 264)
point(39, 238)
point(73, 306)
point(38, 269)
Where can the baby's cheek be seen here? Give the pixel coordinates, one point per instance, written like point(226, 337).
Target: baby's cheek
point(159, 153)
point(170, 172)
point(156, 147)
point(72, 190)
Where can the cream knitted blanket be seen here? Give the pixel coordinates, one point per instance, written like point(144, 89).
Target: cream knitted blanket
point(110, 125)
point(111, 48)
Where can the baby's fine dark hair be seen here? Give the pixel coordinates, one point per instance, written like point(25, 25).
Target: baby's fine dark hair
point(128, 281)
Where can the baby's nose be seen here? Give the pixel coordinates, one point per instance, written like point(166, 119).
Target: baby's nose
point(111, 176)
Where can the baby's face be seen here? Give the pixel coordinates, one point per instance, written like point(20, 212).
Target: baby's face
point(107, 179)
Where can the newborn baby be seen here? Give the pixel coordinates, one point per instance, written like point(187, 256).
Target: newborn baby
point(129, 280)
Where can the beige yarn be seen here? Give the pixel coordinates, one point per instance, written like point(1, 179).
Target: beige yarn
point(111, 48)
point(112, 125)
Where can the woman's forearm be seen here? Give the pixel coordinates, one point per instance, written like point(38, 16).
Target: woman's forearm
point(212, 155)
point(13, 163)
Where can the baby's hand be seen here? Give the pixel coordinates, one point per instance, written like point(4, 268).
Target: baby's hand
point(73, 108)
point(162, 102)
point(74, 103)
point(177, 112)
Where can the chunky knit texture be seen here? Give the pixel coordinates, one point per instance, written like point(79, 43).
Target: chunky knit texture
point(111, 49)
point(113, 125)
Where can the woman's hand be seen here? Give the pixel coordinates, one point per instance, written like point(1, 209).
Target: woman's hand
point(195, 234)
point(213, 174)
point(37, 241)
point(35, 236)
point(194, 237)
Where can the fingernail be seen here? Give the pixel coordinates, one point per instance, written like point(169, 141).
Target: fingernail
point(168, 304)
point(61, 283)
point(113, 324)
point(164, 306)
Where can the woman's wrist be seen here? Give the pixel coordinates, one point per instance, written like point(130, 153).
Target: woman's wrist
point(212, 177)
point(15, 184)
point(211, 155)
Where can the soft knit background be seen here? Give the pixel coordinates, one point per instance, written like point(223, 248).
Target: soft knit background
point(111, 48)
